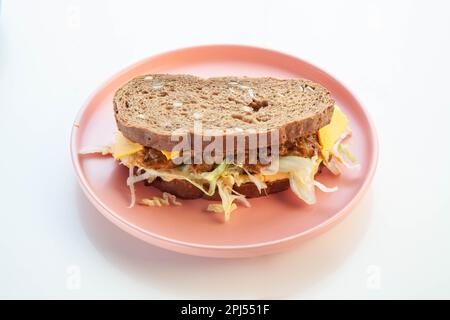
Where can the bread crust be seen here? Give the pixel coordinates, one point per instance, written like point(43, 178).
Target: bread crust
point(185, 190)
point(317, 102)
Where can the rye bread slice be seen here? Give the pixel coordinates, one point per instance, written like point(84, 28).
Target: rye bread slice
point(185, 190)
point(150, 107)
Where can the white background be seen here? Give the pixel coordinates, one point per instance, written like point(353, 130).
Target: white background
point(394, 55)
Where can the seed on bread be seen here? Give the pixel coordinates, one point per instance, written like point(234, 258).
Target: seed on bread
point(197, 115)
point(256, 105)
point(167, 125)
point(262, 118)
point(244, 118)
point(309, 88)
point(247, 109)
point(157, 85)
point(250, 93)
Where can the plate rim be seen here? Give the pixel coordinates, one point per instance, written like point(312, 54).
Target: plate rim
point(179, 245)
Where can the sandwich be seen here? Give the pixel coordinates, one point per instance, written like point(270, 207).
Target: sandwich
point(227, 139)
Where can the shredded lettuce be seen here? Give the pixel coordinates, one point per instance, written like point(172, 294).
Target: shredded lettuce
point(258, 183)
point(225, 175)
point(273, 168)
point(301, 177)
point(340, 155)
point(227, 199)
point(218, 208)
point(343, 149)
point(169, 174)
point(332, 165)
point(130, 184)
point(212, 177)
point(166, 200)
point(221, 178)
point(344, 156)
point(241, 198)
point(324, 188)
point(228, 196)
point(104, 150)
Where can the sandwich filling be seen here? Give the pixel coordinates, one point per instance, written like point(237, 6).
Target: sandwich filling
point(298, 161)
point(152, 158)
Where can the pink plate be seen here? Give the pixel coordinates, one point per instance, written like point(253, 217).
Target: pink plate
point(273, 223)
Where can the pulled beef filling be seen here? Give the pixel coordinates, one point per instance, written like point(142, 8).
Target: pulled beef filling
point(306, 146)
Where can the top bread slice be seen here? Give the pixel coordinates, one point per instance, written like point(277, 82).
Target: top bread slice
point(149, 108)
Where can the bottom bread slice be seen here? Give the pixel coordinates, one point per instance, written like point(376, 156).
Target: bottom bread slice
point(185, 190)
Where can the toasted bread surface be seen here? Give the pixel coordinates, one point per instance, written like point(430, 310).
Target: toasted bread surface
point(149, 108)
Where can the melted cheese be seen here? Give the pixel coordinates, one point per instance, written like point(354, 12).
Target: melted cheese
point(243, 178)
point(329, 134)
point(276, 176)
point(124, 147)
point(170, 154)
